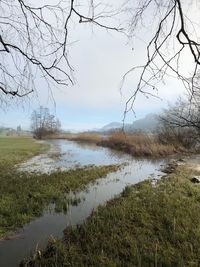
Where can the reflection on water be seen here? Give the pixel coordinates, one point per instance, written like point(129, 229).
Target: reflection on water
point(64, 155)
point(69, 154)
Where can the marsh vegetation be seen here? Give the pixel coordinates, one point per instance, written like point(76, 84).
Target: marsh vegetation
point(138, 144)
point(24, 195)
point(148, 224)
point(144, 226)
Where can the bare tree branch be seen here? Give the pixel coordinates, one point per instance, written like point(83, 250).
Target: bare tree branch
point(171, 38)
point(34, 41)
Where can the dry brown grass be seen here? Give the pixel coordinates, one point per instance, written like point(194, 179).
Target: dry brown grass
point(136, 144)
point(85, 137)
point(139, 144)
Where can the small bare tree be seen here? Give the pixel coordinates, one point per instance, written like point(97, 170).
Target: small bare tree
point(43, 123)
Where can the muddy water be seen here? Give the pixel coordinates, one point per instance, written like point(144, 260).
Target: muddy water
point(64, 155)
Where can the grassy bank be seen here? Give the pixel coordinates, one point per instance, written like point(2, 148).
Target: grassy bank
point(145, 227)
point(14, 150)
point(24, 196)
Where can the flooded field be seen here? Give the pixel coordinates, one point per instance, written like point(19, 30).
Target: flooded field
point(64, 155)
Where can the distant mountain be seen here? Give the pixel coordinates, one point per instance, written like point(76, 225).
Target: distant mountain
point(146, 124)
point(111, 126)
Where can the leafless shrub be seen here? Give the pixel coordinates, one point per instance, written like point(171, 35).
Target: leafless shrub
point(180, 124)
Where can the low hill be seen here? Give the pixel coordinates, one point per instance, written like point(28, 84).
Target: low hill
point(147, 124)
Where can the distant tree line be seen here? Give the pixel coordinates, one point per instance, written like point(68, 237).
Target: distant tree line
point(43, 123)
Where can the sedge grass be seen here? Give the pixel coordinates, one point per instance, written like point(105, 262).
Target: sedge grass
point(145, 227)
point(24, 196)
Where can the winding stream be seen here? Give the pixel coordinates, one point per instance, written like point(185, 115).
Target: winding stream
point(64, 155)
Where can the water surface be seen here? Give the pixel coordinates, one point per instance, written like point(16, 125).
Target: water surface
point(64, 155)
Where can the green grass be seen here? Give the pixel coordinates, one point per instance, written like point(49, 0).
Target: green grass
point(24, 196)
point(144, 227)
point(14, 150)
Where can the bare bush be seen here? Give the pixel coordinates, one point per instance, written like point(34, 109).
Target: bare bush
point(177, 136)
point(180, 124)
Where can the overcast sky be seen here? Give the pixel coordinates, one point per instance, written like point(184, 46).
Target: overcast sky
point(100, 60)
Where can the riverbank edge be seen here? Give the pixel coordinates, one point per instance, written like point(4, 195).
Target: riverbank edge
point(148, 151)
point(25, 195)
point(147, 225)
point(55, 187)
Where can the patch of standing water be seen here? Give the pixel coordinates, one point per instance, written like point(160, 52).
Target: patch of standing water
point(64, 155)
point(36, 234)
